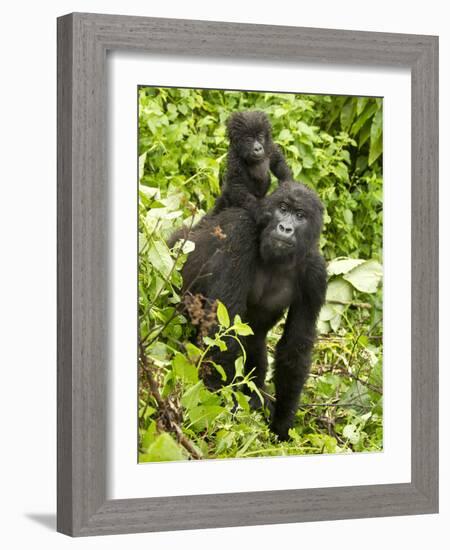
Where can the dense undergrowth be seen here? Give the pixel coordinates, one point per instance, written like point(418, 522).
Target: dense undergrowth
point(333, 144)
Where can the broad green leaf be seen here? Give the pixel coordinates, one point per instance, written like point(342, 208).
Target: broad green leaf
point(339, 291)
point(342, 265)
point(330, 310)
point(194, 352)
point(142, 159)
point(376, 137)
point(306, 129)
point(365, 277)
point(188, 246)
point(150, 192)
point(351, 433)
point(203, 415)
point(324, 442)
point(209, 341)
point(192, 397)
point(335, 322)
point(361, 102)
point(368, 112)
point(224, 440)
point(348, 216)
point(164, 448)
point(285, 135)
point(159, 256)
point(323, 327)
point(184, 369)
point(347, 113)
point(158, 351)
point(243, 401)
point(364, 134)
point(242, 329)
point(149, 437)
point(376, 148)
point(222, 314)
point(341, 171)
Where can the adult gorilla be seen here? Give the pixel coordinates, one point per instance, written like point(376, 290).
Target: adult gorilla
point(259, 272)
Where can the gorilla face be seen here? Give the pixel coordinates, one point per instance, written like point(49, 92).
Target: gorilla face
point(292, 221)
point(249, 134)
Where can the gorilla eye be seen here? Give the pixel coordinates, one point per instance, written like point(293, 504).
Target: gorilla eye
point(300, 215)
point(283, 208)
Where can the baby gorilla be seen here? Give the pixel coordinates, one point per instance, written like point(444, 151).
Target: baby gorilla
point(251, 157)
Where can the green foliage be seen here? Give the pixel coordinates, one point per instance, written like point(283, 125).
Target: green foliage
point(333, 144)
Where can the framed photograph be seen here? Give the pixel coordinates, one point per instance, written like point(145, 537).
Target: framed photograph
point(247, 274)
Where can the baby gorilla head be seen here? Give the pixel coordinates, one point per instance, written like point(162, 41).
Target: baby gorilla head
point(250, 136)
point(292, 221)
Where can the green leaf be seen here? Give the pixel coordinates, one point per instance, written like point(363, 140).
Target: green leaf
point(149, 437)
point(325, 442)
point(242, 329)
point(220, 370)
point(341, 171)
point(209, 341)
point(376, 148)
point(342, 265)
point(368, 112)
point(347, 114)
point(348, 216)
point(192, 397)
point(285, 135)
point(335, 322)
point(376, 137)
point(365, 277)
point(222, 314)
point(188, 246)
point(330, 311)
point(159, 256)
point(184, 369)
point(351, 433)
point(323, 327)
point(142, 159)
point(361, 102)
point(194, 352)
point(339, 291)
point(203, 415)
point(243, 401)
point(164, 448)
point(365, 133)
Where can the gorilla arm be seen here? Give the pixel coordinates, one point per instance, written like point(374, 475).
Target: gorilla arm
point(278, 165)
point(293, 352)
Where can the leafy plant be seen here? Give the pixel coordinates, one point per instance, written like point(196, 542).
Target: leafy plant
point(333, 144)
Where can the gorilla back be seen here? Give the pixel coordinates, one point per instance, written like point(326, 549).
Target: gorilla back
point(260, 272)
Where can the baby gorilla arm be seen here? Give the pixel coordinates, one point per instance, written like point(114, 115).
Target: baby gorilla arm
point(278, 165)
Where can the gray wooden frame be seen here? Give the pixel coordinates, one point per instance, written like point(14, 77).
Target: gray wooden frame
point(83, 41)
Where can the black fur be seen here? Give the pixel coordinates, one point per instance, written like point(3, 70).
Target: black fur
point(251, 157)
point(259, 272)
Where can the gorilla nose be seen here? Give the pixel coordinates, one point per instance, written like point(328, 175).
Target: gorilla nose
point(258, 148)
point(285, 229)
